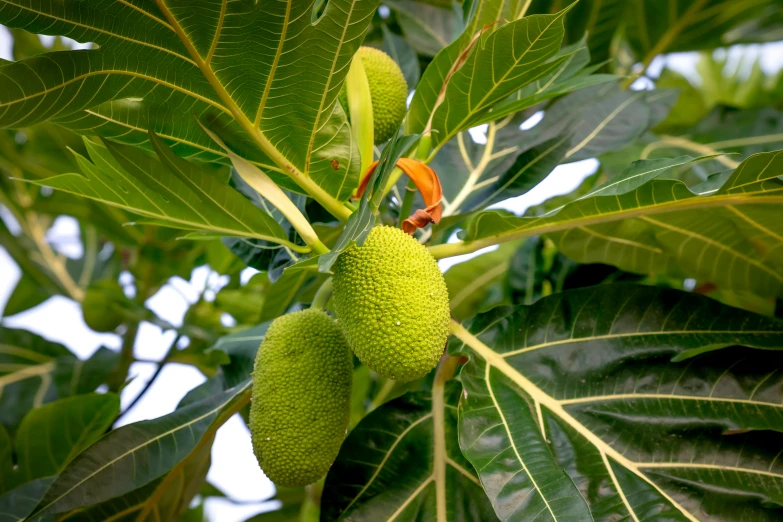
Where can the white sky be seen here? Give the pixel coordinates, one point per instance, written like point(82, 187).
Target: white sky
point(234, 468)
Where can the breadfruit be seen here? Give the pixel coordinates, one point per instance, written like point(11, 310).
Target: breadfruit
point(388, 92)
point(102, 306)
point(392, 303)
point(300, 403)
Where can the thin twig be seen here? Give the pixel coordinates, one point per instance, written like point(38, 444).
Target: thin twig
point(151, 380)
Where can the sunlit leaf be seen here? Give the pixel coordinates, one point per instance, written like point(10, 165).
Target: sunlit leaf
point(500, 62)
point(172, 192)
point(162, 66)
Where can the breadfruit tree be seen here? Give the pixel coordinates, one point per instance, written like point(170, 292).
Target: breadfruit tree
point(469, 260)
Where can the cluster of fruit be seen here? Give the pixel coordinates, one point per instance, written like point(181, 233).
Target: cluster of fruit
point(392, 309)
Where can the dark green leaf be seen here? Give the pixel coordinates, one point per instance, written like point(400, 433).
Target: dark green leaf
point(75, 376)
point(686, 25)
point(16, 504)
point(402, 53)
point(51, 436)
point(134, 455)
point(427, 28)
point(604, 117)
point(27, 294)
point(6, 460)
point(403, 463)
point(587, 381)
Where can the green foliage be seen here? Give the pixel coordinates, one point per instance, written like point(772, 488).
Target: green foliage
point(301, 391)
point(392, 303)
point(612, 352)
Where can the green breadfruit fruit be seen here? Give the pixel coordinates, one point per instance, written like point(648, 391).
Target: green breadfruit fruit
point(102, 306)
point(388, 92)
point(301, 394)
point(392, 303)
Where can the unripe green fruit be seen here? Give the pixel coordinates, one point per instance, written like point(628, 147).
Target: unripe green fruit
point(102, 306)
point(393, 304)
point(301, 397)
point(388, 92)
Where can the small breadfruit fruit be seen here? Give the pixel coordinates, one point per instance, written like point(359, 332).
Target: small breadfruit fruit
point(300, 403)
point(392, 303)
point(102, 306)
point(388, 92)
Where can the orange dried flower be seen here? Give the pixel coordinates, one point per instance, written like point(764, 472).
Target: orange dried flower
point(428, 183)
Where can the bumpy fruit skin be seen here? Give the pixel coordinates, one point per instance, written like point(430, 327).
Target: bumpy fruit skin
point(300, 403)
point(101, 306)
point(388, 91)
point(393, 304)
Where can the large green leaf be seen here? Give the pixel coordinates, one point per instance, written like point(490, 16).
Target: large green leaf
point(572, 74)
point(163, 499)
point(52, 435)
point(27, 366)
point(627, 391)
point(498, 64)
point(262, 73)
point(134, 455)
point(172, 192)
point(730, 237)
point(403, 463)
point(481, 16)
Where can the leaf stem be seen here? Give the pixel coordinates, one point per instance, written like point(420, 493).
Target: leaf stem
point(323, 295)
point(151, 380)
point(448, 365)
point(126, 358)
